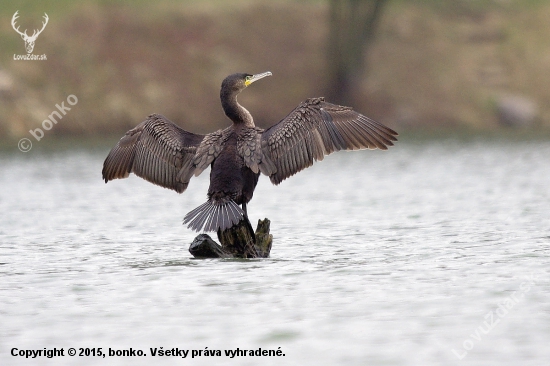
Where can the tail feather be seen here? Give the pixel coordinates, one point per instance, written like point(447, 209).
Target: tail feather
point(212, 216)
point(225, 218)
point(213, 213)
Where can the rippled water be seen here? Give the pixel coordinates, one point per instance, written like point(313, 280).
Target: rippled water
point(435, 252)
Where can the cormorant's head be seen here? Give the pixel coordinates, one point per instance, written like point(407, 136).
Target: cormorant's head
point(237, 82)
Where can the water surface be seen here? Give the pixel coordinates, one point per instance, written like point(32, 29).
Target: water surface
point(393, 258)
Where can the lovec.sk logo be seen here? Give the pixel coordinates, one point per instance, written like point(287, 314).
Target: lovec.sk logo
point(29, 40)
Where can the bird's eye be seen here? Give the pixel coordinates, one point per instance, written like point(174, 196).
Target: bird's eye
point(248, 78)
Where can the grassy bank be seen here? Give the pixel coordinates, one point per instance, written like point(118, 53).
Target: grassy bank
point(431, 65)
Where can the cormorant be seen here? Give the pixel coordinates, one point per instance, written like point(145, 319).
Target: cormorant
point(164, 154)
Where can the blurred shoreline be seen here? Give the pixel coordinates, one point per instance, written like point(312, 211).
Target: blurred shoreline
point(415, 136)
point(451, 66)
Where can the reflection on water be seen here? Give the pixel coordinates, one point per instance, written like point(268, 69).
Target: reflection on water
point(391, 258)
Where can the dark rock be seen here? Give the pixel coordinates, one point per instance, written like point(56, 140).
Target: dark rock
point(204, 247)
point(516, 111)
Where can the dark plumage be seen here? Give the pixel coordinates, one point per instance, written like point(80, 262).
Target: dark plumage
point(164, 154)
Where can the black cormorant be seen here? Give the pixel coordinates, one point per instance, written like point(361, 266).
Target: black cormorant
point(164, 154)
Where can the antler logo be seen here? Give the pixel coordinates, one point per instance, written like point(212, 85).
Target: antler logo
point(29, 40)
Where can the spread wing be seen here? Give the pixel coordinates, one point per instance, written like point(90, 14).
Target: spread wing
point(314, 129)
point(156, 150)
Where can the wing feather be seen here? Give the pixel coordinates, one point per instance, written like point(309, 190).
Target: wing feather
point(312, 130)
point(209, 149)
point(156, 150)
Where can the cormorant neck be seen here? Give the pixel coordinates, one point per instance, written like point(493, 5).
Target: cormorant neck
point(236, 112)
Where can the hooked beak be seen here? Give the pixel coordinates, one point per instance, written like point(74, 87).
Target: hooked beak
point(256, 77)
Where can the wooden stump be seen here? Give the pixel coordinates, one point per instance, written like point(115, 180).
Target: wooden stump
point(263, 238)
point(239, 241)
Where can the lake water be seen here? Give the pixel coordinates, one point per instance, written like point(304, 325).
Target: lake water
point(435, 252)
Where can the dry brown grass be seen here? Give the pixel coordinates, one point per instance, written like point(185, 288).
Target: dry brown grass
point(428, 66)
point(448, 67)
